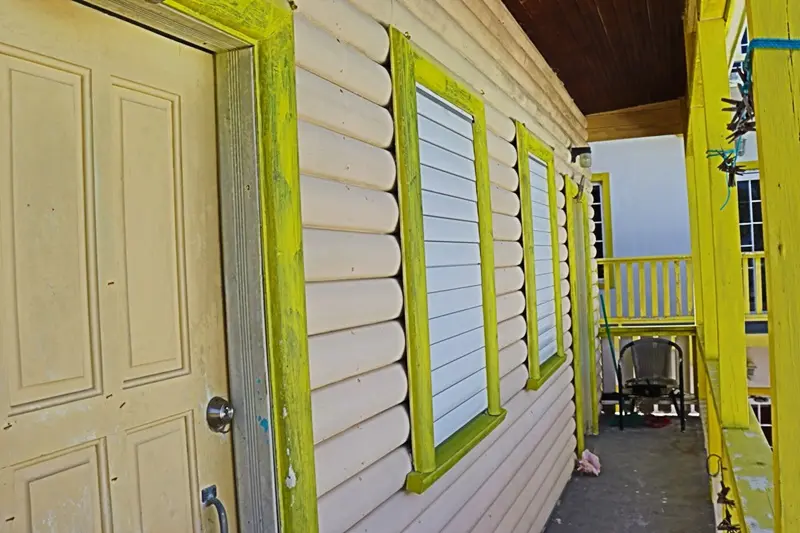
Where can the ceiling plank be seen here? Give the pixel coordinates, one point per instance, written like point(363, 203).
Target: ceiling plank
point(662, 118)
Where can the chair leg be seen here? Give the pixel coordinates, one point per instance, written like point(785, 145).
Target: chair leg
point(621, 412)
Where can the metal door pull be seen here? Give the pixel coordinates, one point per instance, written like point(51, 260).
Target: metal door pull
point(209, 497)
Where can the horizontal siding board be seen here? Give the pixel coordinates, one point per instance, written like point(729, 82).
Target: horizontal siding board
point(319, 52)
point(506, 254)
point(537, 491)
point(503, 175)
point(328, 204)
point(524, 409)
point(437, 157)
point(345, 505)
point(339, 305)
point(449, 230)
point(344, 255)
point(553, 496)
point(444, 205)
point(506, 228)
point(347, 23)
point(444, 377)
point(452, 277)
point(510, 331)
point(336, 356)
point(504, 202)
point(448, 302)
point(512, 356)
point(437, 181)
point(452, 348)
point(458, 417)
point(484, 509)
point(327, 154)
point(330, 106)
point(335, 411)
point(442, 136)
point(443, 254)
point(501, 150)
point(508, 279)
point(345, 455)
point(500, 124)
point(510, 305)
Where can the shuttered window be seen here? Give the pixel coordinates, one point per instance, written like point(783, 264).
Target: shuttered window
point(546, 277)
point(452, 263)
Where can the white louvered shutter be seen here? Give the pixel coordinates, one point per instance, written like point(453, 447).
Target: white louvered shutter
point(546, 277)
point(453, 264)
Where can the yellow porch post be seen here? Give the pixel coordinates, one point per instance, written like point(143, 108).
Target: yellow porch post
point(777, 105)
point(697, 263)
point(727, 275)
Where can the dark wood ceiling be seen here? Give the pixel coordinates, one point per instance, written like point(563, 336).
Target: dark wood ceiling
point(610, 54)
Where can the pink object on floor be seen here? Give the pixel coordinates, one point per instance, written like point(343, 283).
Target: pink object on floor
point(589, 463)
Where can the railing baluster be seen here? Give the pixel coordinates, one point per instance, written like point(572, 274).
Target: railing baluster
point(631, 311)
point(689, 288)
point(642, 291)
point(665, 289)
point(678, 296)
point(654, 288)
point(618, 290)
point(759, 288)
point(746, 283)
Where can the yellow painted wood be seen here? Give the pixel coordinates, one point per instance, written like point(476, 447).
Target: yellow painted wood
point(776, 75)
point(630, 310)
point(646, 258)
point(590, 319)
point(748, 165)
point(617, 310)
point(690, 289)
point(746, 282)
point(654, 288)
point(410, 67)
point(734, 409)
point(415, 291)
point(529, 144)
point(269, 27)
point(665, 289)
point(678, 289)
point(759, 289)
point(759, 391)
point(642, 292)
point(696, 293)
point(571, 191)
point(714, 10)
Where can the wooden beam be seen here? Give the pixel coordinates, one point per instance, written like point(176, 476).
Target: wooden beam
point(661, 118)
point(776, 75)
point(734, 408)
point(713, 9)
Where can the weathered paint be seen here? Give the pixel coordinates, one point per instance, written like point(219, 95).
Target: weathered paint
point(734, 408)
point(528, 144)
point(269, 27)
point(777, 105)
point(409, 67)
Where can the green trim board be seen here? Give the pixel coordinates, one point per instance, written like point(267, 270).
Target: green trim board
point(590, 299)
point(269, 26)
point(410, 66)
point(571, 191)
point(527, 145)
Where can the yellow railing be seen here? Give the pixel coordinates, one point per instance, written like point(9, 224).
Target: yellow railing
point(754, 274)
point(648, 289)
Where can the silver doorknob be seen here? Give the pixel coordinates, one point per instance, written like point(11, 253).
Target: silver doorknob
point(219, 414)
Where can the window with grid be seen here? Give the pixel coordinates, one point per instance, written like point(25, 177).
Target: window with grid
point(751, 228)
point(599, 225)
point(762, 407)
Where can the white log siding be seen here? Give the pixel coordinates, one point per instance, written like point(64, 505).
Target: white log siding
point(511, 480)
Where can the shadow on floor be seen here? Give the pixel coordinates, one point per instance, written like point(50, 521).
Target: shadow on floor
point(652, 480)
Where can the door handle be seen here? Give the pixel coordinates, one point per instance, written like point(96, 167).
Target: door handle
point(219, 415)
point(209, 497)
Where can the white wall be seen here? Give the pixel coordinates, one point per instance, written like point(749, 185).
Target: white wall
point(650, 214)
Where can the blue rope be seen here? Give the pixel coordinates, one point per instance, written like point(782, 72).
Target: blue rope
point(753, 45)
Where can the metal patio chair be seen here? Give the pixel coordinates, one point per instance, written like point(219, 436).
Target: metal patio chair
point(653, 359)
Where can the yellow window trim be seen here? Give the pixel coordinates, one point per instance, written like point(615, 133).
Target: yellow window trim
point(269, 26)
point(409, 67)
point(603, 178)
point(528, 144)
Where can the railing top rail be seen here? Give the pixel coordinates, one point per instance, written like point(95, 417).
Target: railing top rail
point(753, 254)
point(645, 258)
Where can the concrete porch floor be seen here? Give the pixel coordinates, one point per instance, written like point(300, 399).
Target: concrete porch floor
point(652, 480)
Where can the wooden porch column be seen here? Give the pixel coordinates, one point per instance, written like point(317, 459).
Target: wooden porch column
point(731, 346)
point(777, 102)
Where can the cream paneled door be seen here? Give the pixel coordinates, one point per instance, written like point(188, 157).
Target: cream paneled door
point(111, 312)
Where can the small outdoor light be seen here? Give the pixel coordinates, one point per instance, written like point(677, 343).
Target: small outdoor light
point(583, 154)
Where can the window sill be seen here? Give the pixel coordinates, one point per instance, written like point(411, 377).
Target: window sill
point(453, 450)
point(546, 371)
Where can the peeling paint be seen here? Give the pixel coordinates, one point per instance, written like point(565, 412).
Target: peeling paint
point(754, 527)
point(264, 423)
point(759, 483)
point(291, 479)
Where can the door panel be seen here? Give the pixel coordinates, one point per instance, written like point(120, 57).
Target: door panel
point(111, 318)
